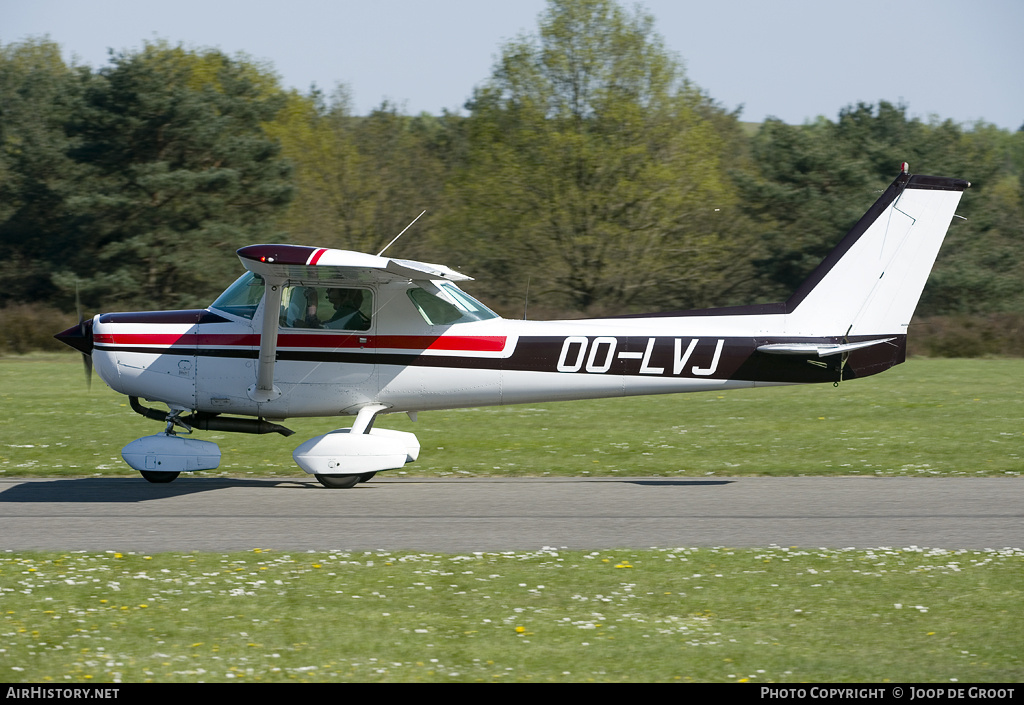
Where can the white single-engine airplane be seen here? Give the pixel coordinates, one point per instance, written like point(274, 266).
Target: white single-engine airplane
point(308, 331)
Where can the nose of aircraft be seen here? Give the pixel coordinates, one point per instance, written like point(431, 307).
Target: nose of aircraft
point(78, 336)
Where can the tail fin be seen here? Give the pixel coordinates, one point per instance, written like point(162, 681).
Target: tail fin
point(871, 282)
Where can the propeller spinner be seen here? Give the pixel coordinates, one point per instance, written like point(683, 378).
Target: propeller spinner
point(80, 338)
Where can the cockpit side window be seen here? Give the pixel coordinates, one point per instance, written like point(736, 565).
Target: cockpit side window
point(241, 298)
point(448, 304)
point(332, 308)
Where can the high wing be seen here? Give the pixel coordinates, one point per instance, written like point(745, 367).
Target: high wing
point(282, 264)
point(298, 263)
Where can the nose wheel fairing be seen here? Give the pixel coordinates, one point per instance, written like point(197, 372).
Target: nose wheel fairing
point(169, 453)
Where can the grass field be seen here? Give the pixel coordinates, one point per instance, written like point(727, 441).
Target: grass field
point(718, 615)
point(777, 614)
point(926, 417)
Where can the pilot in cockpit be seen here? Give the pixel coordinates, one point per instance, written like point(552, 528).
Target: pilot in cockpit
point(347, 314)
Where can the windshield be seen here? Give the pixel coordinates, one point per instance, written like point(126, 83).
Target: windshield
point(241, 298)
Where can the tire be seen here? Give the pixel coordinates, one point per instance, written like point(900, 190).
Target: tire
point(159, 477)
point(338, 482)
point(366, 477)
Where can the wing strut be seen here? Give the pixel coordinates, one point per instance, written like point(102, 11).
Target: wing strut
point(264, 390)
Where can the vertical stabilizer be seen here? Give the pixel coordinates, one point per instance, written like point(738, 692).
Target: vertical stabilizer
point(871, 282)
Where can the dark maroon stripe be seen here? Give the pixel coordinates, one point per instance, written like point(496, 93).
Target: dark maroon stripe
point(277, 254)
point(739, 360)
point(187, 316)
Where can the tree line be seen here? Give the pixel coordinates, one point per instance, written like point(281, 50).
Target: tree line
point(587, 173)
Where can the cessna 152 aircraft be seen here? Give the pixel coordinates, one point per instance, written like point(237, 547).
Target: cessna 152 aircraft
point(309, 331)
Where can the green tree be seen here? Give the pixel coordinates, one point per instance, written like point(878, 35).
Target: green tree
point(361, 180)
point(178, 173)
point(332, 193)
point(980, 268)
point(38, 95)
point(593, 170)
point(410, 161)
point(806, 193)
point(814, 181)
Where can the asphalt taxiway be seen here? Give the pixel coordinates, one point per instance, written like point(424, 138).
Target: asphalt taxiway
point(197, 513)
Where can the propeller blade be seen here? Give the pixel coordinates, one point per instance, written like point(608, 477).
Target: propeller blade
point(86, 357)
point(87, 361)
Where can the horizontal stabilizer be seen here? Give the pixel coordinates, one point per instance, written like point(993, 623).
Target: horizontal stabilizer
point(820, 349)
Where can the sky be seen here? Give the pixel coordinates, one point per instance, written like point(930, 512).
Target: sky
point(789, 59)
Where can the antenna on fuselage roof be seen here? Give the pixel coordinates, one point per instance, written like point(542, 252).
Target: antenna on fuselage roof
point(526, 303)
point(401, 233)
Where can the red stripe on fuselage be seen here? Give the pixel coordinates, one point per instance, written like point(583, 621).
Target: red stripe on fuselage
point(450, 343)
point(463, 343)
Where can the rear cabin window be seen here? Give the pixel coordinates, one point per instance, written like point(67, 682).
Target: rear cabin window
point(449, 305)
